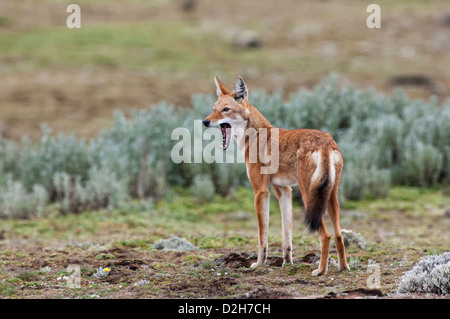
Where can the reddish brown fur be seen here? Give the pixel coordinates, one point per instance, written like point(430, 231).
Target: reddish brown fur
point(297, 149)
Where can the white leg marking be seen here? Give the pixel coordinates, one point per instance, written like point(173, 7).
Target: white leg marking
point(286, 224)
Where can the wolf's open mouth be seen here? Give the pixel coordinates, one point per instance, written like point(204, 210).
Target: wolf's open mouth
point(226, 129)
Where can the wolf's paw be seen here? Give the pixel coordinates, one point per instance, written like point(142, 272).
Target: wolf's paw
point(319, 272)
point(343, 267)
point(256, 265)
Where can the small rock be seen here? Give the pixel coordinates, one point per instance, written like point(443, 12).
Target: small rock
point(447, 213)
point(444, 19)
point(246, 40)
point(174, 244)
point(188, 5)
point(410, 80)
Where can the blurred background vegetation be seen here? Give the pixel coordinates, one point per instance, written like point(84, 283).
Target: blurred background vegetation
point(134, 53)
point(310, 64)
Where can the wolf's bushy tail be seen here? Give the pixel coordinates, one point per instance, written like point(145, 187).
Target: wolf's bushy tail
point(319, 194)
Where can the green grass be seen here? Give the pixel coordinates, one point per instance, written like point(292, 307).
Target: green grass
point(125, 45)
point(29, 275)
point(181, 201)
point(156, 46)
point(224, 222)
point(409, 200)
point(7, 289)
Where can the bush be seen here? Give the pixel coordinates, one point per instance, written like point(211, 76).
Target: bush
point(138, 150)
point(9, 152)
point(17, 202)
point(102, 190)
point(37, 163)
point(202, 188)
point(430, 275)
point(421, 163)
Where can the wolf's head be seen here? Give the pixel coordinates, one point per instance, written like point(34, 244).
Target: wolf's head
point(231, 110)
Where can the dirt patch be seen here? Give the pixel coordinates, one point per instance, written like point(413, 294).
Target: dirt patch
point(128, 264)
point(263, 293)
point(237, 260)
point(245, 259)
point(41, 273)
point(357, 293)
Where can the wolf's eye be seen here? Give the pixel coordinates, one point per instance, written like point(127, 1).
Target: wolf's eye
point(226, 109)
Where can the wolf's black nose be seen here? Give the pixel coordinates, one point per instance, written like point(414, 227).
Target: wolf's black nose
point(206, 123)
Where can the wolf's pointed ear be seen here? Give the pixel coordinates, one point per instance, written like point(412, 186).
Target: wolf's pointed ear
point(220, 88)
point(240, 89)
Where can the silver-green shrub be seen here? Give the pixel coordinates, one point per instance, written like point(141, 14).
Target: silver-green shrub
point(17, 202)
point(430, 275)
point(101, 190)
point(70, 194)
point(9, 152)
point(37, 163)
point(104, 189)
point(202, 188)
point(385, 140)
point(138, 149)
point(421, 163)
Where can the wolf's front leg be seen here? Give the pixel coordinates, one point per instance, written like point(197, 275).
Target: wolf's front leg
point(262, 213)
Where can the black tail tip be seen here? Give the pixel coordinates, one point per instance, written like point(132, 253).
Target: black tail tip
point(312, 223)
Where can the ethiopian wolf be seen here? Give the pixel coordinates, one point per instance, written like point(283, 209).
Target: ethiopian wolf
point(307, 158)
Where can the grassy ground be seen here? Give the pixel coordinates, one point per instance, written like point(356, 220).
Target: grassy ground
point(131, 54)
point(400, 229)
